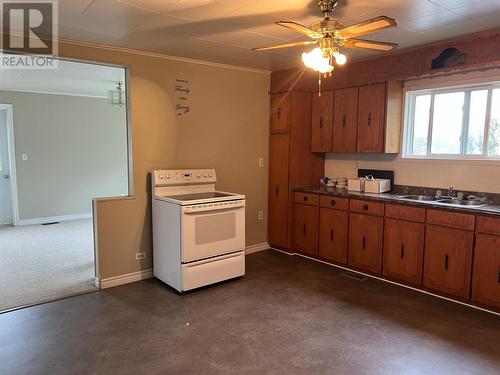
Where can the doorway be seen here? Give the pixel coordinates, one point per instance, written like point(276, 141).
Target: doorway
point(6, 191)
point(64, 141)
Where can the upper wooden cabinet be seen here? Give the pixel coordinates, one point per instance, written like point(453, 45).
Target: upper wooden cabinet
point(281, 111)
point(345, 120)
point(322, 122)
point(361, 119)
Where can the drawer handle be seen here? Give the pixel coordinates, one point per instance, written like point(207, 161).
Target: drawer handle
point(343, 121)
point(277, 190)
point(365, 207)
point(321, 122)
point(278, 115)
point(333, 202)
point(331, 240)
point(369, 118)
point(446, 261)
point(499, 274)
point(364, 242)
point(306, 199)
point(402, 252)
point(304, 229)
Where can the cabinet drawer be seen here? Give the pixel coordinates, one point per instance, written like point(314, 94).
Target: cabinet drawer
point(451, 219)
point(488, 225)
point(306, 198)
point(366, 207)
point(334, 202)
point(397, 211)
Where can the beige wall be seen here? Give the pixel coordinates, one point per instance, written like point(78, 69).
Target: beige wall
point(76, 148)
point(227, 129)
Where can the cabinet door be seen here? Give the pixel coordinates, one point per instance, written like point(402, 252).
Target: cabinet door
point(280, 113)
point(306, 228)
point(486, 273)
point(322, 122)
point(365, 242)
point(345, 120)
point(404, 250)
point(371, 118)
point(333, 234)
point(279, 145)
point(447, 261)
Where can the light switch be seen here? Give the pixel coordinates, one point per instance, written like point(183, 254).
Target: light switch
point(25, 156)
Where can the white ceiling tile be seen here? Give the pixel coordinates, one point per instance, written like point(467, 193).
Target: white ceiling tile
point(452, 4)
point(480, 9)
point(212, 10)
point(491, 20)
point(77, 6)
point(158, 6)
point(432, 21)
point(118, 13)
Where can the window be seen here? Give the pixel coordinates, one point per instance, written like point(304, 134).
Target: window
point(460, 123)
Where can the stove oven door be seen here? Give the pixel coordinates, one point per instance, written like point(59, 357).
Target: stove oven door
point(214, 229)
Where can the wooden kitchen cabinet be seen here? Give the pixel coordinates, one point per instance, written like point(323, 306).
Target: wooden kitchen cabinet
point(448, 260)
point(365, 242)
point(333, 234)
point(345, 120)
point(279, 145)
point(404, 250)
point(280, 113)
point(486, 273)
point(379, 117)
point(322, 122)
point(291, 162)
point(305, 233)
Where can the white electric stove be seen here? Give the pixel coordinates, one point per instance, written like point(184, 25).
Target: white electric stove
point(198, 232)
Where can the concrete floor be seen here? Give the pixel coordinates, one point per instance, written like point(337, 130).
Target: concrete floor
point(288, 315)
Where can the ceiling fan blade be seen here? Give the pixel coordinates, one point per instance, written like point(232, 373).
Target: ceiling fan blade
point(286, 45)
point(370, 44)
point(368, 26)
point(300, 29)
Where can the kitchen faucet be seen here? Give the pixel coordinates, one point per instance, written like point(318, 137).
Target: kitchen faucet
point(451, 193)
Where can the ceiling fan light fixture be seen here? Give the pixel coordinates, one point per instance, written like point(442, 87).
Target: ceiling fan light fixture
point(340, 58)
point(316, 60)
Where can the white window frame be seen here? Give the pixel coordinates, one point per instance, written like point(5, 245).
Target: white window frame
point(409, 117)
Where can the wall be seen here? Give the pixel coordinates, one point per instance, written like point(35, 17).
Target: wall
point(76, 148)
point(227, 129)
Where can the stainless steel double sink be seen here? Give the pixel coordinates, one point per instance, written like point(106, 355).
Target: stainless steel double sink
point(445, 201)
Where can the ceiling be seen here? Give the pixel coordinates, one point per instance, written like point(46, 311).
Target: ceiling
point(70, 78)
point(224, 31)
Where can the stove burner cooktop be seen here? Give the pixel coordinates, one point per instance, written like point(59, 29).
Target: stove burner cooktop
point(197, 196)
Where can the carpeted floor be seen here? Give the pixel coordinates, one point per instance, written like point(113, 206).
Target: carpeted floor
point(43, 262)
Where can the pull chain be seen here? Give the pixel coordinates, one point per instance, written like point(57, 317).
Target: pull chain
point(319, 84)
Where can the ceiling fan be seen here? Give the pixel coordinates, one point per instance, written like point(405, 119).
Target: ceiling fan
point(330, 35)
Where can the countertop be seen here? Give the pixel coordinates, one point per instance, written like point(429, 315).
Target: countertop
point(488, 209)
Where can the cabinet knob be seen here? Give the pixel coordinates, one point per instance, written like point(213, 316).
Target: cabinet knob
point(333, 202)
point(365, 207)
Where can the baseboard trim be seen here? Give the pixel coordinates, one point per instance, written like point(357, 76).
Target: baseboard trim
point(123, 279)
point(52, 219)
point(256, 248)
point(391, 282)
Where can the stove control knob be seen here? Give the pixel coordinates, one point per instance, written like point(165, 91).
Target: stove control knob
point(168, 176)
point(198, 175)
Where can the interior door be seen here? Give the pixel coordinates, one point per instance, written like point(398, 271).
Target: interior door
point(5, 198)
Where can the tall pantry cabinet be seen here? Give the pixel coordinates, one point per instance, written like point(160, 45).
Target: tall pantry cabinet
point(291, 162)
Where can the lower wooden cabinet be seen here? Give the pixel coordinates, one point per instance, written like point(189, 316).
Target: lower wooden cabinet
point(305, 233)
point(404, 250)
point(448, 260)
point(486, 274)
point(365, 242)
point(333, 234)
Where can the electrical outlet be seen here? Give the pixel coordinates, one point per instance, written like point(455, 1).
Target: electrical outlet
point(24, 157)
point(140, 256)
point(261, 215)
point(261, 162)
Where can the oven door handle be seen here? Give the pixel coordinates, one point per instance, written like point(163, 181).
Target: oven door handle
point(195, 211)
